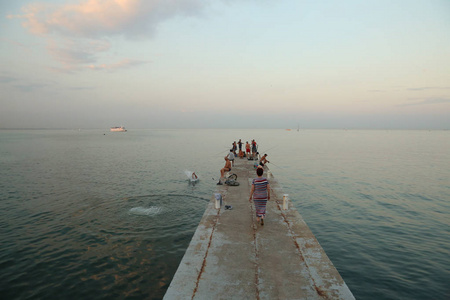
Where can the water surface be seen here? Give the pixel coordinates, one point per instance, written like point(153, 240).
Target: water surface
point(94, 214)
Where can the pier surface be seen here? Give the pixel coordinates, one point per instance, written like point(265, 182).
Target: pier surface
point(232, 257)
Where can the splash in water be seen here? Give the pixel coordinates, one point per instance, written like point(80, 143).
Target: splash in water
point(144, 211)
point(189, 174)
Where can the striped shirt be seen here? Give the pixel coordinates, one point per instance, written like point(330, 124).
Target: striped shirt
point(260, 192)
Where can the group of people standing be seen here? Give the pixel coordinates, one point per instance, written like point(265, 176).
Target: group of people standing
point(250, 152)
point(260, 191)
point(251, 149)
point(229, 158)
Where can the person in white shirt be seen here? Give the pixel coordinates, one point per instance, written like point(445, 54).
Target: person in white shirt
point(231, 157)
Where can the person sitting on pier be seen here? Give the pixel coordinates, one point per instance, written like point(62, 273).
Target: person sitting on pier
point(261, 194)
point(263, 160)
point(241, 153)
point(256, 160)
point(226, 168)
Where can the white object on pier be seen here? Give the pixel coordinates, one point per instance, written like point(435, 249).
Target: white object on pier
point(218, 202)
point(285, 201)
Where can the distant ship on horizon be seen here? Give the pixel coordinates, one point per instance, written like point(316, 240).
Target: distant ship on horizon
point(118, 129)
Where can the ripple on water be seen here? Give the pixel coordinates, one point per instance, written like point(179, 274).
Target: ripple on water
point(143, 211)
point(115, 244)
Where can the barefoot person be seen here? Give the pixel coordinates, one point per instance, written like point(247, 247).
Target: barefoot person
point(226, 168)
point(263, 160)
point(231, 156)
point(247, 149)
point(241, 153)
point(261, 194)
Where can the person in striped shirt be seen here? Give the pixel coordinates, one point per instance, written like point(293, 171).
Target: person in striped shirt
point(260, 193)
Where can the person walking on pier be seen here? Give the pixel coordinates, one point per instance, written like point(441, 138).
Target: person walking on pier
point(261, 194)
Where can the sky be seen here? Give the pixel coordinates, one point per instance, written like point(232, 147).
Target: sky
point(372, 64)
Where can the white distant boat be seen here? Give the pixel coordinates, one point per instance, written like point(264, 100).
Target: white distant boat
point(118, 129)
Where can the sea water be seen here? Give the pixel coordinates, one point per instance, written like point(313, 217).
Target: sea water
point(94, 214)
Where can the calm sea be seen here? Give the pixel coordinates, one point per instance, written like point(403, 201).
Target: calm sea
point(97, 215)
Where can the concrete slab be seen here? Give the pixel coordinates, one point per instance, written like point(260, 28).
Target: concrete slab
point(232, 257)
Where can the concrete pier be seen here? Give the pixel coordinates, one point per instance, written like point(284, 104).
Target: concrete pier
point(232, 257)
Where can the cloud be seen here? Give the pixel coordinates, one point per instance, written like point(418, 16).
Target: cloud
point(99, 18)
point(77, 51)
point(428, 101)
point(23, 84)
point(429, 88)
point(7, 79)
point(82, 88)
point(78, 32)
point(17, 44)
point(30, 87)
point(124, 64)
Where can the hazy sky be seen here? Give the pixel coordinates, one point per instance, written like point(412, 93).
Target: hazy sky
point(225, 64)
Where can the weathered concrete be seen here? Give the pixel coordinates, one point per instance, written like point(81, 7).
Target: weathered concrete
point(232, 257)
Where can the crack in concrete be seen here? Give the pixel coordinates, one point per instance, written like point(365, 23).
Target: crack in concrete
point(256, 252)
point(319, 291)
point(206, 254)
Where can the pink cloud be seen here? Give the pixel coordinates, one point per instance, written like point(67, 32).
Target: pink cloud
point(78, 33)
point(99, 18)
